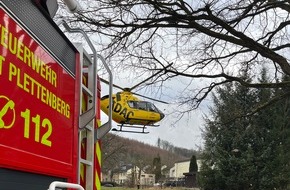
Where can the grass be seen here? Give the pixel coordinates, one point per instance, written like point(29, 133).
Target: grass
point(149, 188)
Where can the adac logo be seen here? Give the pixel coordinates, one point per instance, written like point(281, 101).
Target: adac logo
point(7, 113)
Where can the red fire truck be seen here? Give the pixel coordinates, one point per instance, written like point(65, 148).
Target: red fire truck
point(49, 102)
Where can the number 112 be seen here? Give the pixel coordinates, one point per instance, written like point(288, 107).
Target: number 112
point(45, 123)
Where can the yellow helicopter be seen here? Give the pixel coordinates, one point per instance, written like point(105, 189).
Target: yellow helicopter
point(129, 111)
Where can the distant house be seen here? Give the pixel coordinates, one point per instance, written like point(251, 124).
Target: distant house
point(181, 167)
point(165, 171)
point(147, 179)
point(131, 175)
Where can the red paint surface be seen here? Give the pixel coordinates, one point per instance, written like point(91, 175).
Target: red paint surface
point(49, 148)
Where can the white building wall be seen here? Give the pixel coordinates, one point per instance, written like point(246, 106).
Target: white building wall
point(180, 168)
point(198, 162)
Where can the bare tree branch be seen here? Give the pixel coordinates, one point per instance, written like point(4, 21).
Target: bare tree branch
point(206, 39)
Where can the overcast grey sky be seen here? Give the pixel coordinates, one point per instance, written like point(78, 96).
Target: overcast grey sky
point(186, 133)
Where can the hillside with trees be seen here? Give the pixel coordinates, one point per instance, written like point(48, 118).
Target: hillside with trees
point(118, 151)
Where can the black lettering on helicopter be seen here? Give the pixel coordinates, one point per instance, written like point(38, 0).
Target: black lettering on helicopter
point(117, 107)
point(125, 114)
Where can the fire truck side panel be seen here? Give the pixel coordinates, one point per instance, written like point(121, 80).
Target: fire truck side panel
point(39, 99)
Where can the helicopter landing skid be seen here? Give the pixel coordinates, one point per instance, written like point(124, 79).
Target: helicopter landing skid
point(131, 131)
point(128, 131)
point(153, 125)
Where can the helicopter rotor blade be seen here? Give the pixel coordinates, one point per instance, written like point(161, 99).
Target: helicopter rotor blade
point(130, 89)
point(156, 100)
point(107, 82)
point(126, 89)
point(150, 77)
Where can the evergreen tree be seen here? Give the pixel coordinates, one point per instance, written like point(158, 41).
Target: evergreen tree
point(244, 151)
point(157, 167)
point(193, 165)
point(225, 149)
point(280, 141)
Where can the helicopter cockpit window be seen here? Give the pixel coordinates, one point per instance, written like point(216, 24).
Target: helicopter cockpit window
point(142, 105)
point(151, 107)
point(132, 104)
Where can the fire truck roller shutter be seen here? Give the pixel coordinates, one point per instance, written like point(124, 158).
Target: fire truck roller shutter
point(15, 180)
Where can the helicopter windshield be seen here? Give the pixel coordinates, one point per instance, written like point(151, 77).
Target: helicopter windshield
point(143, 106)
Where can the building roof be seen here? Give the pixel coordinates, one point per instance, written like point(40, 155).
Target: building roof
point(185, 160)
